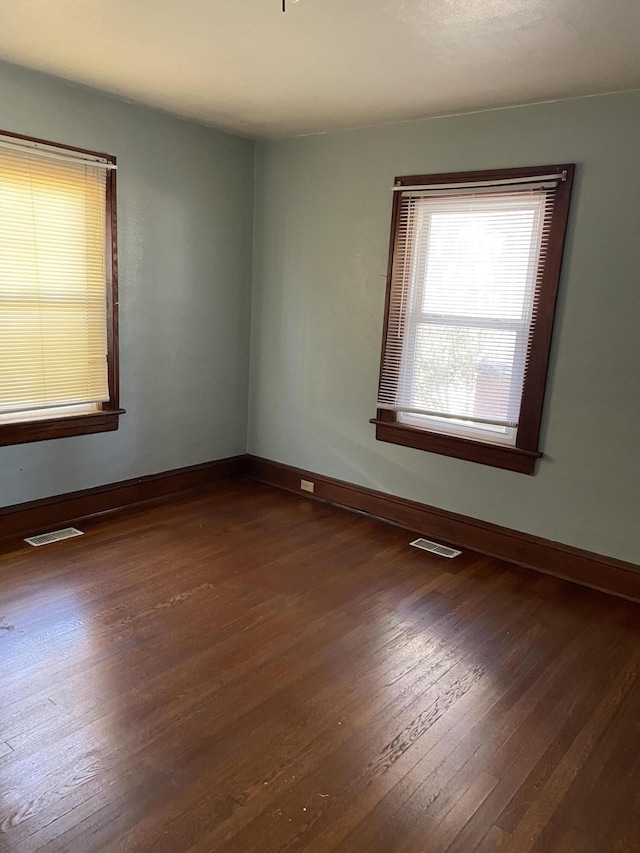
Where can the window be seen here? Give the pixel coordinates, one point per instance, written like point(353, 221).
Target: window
point(473, 276)
point(58, 304)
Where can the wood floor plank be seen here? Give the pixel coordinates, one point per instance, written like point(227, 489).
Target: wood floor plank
point(516, 758)
point(536, 817)
point(371, 815)
point(495, 840)
point(466, 747)
point(392, 707)
point(240, 669)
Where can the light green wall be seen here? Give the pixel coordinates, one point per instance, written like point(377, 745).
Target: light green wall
point(321, 234)
point(185, 230)
point(321, 238)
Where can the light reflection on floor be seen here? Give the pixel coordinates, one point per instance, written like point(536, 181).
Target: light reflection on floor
point(60, 725)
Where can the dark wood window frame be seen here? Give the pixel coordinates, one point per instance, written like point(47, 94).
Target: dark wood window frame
point(106, 418)
point(523, 456)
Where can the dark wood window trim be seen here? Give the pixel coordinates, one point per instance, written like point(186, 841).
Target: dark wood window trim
point(523, 456)
point(107, 417)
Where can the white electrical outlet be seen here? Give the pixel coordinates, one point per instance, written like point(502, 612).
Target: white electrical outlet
point(307, 485)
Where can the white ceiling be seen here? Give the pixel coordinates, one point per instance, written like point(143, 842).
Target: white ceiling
point(245, 66)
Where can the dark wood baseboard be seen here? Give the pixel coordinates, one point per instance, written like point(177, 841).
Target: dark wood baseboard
point(532, 552)
point(42, 515)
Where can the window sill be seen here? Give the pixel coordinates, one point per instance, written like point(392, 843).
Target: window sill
point(498, 456)
point(22, 433)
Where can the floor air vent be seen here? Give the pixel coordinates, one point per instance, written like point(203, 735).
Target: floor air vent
point(435, 548)
point(54, 536)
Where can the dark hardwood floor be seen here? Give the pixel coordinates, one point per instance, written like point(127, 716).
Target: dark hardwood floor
point(246, 671)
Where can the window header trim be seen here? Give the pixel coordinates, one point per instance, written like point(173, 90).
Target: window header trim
point(504, 183)
point(55, 152)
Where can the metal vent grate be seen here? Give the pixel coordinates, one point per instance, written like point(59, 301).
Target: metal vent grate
point(436, 548)
point(54, 536)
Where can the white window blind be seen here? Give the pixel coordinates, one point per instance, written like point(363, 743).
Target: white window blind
point(53, 301)
point(466, 278)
